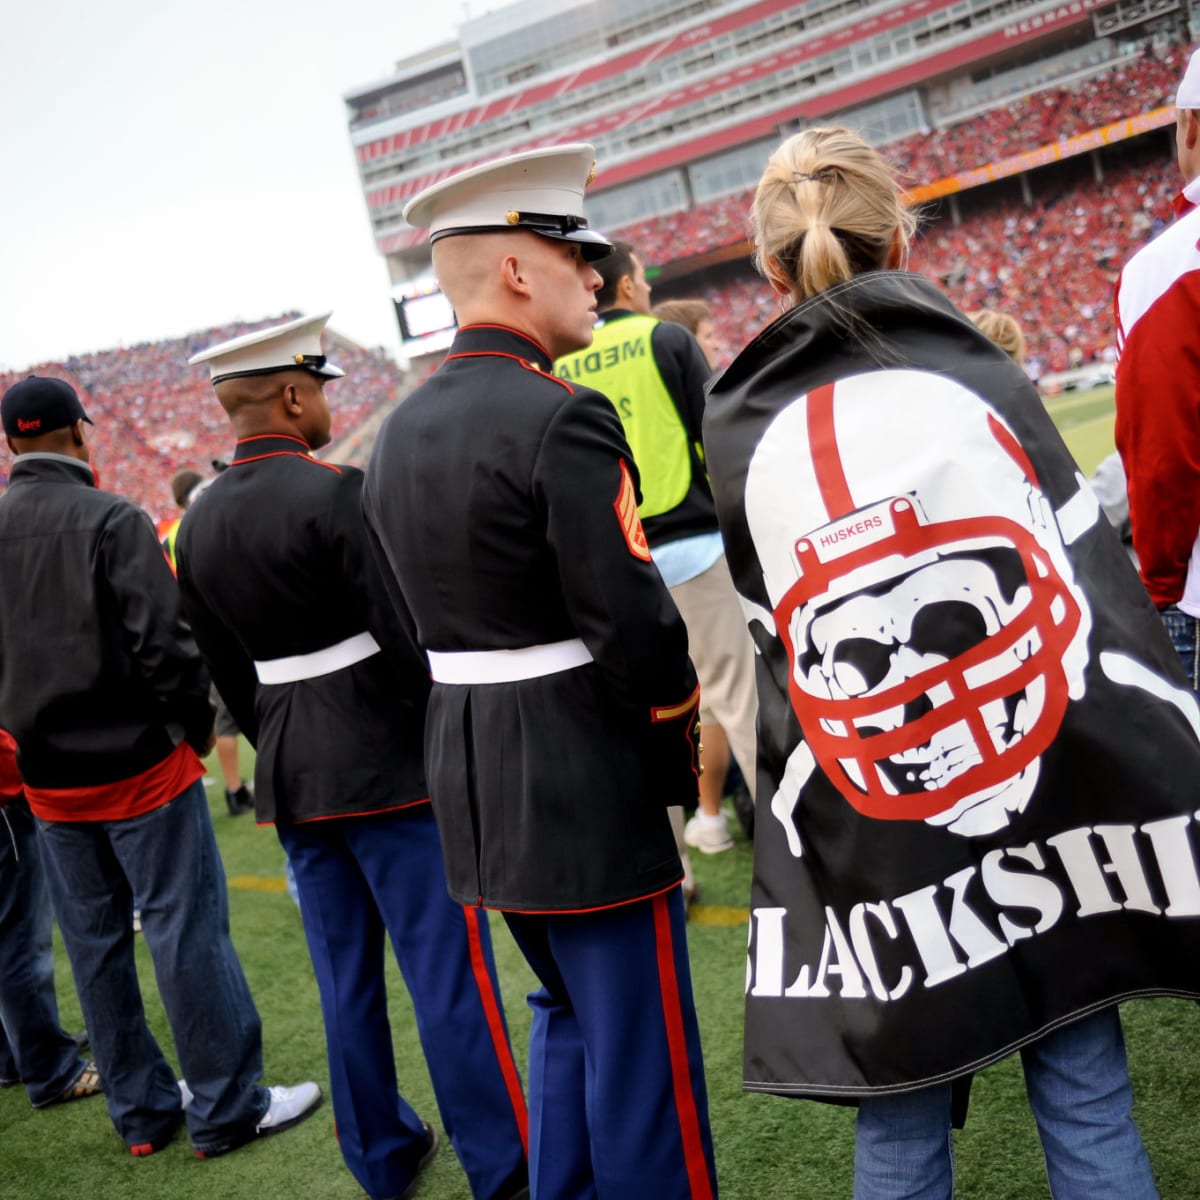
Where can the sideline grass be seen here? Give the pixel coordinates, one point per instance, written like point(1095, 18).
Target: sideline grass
point(1085, 419)
point(768, 1148)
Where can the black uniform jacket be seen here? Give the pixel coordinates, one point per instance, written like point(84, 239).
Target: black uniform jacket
point(504, 503)
point(99, 677)
point(273, 562)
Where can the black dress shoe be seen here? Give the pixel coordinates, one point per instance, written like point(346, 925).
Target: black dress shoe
point(240, 801)
point(431, 1147)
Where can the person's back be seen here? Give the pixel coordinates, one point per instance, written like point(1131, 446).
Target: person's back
point(101, 686)
point(364, 743)
point(290, 610)
point(1157, 432)
point(68, 539)
point(655, 372)
point(502, 563)
point(959, 673)
point(504, 506)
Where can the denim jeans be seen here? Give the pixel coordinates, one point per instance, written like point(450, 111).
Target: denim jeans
point(34, 1047)
point(1078, 1087)
point(1182, 630)
point(168, 859)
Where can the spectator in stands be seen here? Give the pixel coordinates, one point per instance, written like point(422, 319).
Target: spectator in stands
point(34, 1048)
point(696, 317)
point(654, 373)
point(103, 690)
point(186, 486)
point(1158, 379)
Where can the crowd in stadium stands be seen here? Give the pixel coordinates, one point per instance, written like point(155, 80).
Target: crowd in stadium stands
point(1052, 265)
point(1036, 120)
point(1040, 119)
point(153, 414)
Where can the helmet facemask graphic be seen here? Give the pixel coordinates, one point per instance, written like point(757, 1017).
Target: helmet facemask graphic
point(920, 666)
point(922, 591)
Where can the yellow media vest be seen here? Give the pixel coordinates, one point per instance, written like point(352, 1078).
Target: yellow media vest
point(620, 363)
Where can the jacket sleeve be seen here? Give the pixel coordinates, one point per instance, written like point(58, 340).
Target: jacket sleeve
point(685, 371)
point(154, 633)
point(232, 668)
point(385, 614)
point(585, 480)
point(1158, 436)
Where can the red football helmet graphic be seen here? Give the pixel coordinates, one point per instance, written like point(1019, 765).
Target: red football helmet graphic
point(922, 591)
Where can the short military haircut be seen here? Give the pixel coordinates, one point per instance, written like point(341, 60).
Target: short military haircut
point(613, 268)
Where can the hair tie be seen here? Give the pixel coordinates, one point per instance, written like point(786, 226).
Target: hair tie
point(822, 176)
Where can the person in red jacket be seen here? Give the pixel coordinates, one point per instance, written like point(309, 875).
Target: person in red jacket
point(34, 1048)
point(1158, 384)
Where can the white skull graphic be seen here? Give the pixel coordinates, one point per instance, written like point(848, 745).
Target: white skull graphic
point(921, 586)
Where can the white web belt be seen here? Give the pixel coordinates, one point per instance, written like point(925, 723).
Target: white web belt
point(507, 666)
point(320, 662)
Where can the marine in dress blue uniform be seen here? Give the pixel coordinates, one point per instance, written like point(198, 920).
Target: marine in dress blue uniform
point(288, 608)
point(562, 720)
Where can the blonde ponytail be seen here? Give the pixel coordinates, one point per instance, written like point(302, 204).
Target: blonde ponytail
point(827, 208)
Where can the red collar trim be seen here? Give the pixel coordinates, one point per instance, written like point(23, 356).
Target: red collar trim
point(508, 329)
point(284, 437)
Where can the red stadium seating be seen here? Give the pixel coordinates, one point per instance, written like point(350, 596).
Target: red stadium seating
point(1052, 265)
point(154, 414)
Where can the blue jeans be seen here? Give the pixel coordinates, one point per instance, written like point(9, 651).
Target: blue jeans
point(1182, 630)
point(366, 878)
point(1078, 1086)
point(168, 859)
point(34, 1047)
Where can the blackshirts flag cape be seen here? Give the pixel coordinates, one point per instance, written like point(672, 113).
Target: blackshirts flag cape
point(979, 766)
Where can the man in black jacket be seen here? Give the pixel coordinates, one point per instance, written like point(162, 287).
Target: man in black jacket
point(504, 501)
point(290, 611)
point(107, 699)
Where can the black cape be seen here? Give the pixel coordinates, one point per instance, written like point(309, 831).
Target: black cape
point(978, 754)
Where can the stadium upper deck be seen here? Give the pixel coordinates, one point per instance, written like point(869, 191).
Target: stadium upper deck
point(684, 98)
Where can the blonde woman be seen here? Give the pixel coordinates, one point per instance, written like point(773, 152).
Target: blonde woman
point(949, 684)
point(1004, 330)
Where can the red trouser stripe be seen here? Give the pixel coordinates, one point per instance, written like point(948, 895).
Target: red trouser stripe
point(685, 1098)
point(495, 1022)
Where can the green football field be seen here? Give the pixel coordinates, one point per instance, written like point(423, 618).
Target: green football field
point(1085, 419)
point(767, 1148)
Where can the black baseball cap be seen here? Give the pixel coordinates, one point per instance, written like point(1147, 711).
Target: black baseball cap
point(40, 404)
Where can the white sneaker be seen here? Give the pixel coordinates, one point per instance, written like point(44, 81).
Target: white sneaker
point(185, 1094)
point(709, 834)
point(289, 1105)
